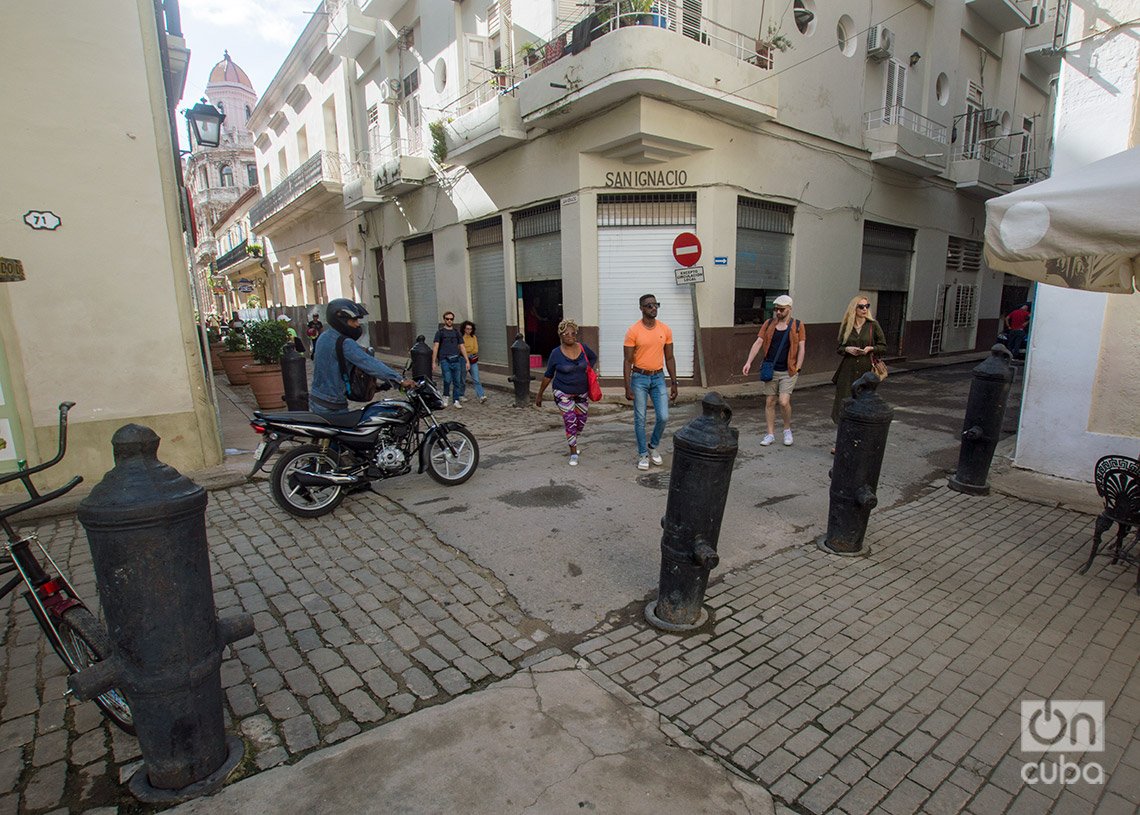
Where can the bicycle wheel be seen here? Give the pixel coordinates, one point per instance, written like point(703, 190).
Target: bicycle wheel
point(84, 643)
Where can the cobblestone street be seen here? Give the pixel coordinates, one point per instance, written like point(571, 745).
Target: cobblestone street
point(361, 616)
point(892, 683)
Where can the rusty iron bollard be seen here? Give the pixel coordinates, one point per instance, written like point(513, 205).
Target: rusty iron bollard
point(294, 377)
point(520, 371)
point(860, 444)
point(421, 359)
point(146, 525)
point(981, 430)
point(703, 453)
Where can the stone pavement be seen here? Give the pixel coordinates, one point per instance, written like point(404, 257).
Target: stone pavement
point(893, 683)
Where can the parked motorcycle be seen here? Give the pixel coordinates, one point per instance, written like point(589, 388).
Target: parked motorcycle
point(346, 453)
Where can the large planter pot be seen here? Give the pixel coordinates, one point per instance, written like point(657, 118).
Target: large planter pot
point(232, 362)
point(216, 356)
point(267, 386)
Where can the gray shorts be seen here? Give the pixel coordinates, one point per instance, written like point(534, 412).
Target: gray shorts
point(780, 384)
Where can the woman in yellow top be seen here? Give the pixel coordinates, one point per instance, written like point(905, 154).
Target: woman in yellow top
point(471, 343)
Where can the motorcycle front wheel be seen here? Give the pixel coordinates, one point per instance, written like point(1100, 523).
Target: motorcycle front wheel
point(297, 499)
point(455, 465)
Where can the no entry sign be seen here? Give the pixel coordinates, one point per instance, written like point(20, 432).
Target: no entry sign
point(687, 249)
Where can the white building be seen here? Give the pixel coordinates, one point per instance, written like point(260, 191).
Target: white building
point(498, 155)
point(217, 176)
point(1082, 384)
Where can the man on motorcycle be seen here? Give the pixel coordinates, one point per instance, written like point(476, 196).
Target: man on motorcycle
point(327, 393)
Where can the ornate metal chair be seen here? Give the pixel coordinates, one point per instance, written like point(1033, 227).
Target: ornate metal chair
point(1117, 480)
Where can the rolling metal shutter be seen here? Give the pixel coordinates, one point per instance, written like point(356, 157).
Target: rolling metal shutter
point(538, 243)
point(488, 298)
point(763, 245)
point(419, 264)
point(887, 252)
point(635, 257)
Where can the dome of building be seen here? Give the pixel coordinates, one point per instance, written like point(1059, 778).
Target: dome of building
point(228, 71)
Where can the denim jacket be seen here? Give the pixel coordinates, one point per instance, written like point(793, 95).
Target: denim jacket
point(327, 384)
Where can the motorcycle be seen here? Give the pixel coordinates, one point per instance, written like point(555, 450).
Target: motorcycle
point(347, 453)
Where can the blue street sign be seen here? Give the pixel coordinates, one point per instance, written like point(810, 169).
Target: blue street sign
point(720, 261)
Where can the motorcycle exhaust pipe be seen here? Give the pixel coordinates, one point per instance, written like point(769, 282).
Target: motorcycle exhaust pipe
point(325, 479)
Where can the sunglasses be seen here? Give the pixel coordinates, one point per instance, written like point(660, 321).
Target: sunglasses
point(449, 319)
point(863, 305)
point(651, 305)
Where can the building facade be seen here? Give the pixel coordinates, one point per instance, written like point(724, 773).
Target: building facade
point(216, 177)
point(522, 162)
point(103, 315)
point(1082, 385)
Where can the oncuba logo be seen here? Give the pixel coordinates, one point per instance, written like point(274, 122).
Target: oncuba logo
point(1060, 726)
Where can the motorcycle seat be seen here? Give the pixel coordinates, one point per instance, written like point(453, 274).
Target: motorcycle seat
point(350, 419)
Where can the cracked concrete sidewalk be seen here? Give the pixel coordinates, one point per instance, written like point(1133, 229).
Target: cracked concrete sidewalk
point(558, 737)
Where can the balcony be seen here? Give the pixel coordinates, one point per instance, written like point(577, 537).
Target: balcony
point(1004, 15)
point(242, 255)
point(216, 199)
point(358, 193)
point(982, 170)
point(205, 249)
point(694, 62)
point(313, 186)
point(485, 122)
point(399, 167)
point(349, 30)
point(381, 9)
point(898, 137)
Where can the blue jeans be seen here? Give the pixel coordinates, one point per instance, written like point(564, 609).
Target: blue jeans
point(454, 376)
point(644, 388)
point(474, 369)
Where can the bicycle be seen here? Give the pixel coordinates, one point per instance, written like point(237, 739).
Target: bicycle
point(73, 631)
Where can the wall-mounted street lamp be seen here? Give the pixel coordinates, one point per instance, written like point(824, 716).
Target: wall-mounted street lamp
point(205, 121)
point(914, 58)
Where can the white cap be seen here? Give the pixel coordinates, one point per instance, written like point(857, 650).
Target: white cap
point(783, 300)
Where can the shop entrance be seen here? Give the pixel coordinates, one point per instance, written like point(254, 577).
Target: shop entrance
point(540, 304)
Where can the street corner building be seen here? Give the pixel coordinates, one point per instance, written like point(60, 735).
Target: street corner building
point(520, 162)
point(101, 311)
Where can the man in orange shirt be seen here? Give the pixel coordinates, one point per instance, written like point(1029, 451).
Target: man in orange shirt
point(648, 349)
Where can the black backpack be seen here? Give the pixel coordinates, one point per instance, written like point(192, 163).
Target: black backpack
point(359, 386)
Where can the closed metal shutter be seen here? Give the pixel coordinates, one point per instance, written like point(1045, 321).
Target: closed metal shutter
point(763, 245)
point(488, 298)
point(887, 252)
point(635, 257)
point(419, 263)
point(538, 243)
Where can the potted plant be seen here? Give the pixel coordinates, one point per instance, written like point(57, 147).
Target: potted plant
point(254, 250)
point(438, 141)
point(214, 341)
point(267, 341)
point(235, 355)
point(530, 53)
point(767, 46)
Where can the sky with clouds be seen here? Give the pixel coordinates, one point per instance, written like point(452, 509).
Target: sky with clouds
point(257, 33)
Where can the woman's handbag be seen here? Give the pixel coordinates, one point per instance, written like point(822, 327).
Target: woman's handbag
point(878, 367)
point(593, 389)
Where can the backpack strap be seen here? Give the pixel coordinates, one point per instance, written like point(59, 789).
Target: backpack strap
point(341, 363)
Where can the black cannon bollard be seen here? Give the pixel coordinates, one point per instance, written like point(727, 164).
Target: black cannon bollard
point(146, 525)
point(981, 431)
point(859, 448)
point(421, 359)
point(520, 371)
point(295, 379)
point(703, 453)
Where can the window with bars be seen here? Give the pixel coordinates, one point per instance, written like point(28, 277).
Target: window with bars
point(964, 299)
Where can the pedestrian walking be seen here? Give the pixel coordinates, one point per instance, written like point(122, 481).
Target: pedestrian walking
point(785, 339)
point(313, 331)
point(1017, 324)
point(566, 368)
point(449, 353)
point(648, 350)
point(471, 345)
point(292, 332)
point(859, 337)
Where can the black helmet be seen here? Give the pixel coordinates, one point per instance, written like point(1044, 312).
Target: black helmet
point(342, 309)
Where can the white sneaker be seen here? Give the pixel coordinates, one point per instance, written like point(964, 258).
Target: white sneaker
point(573, 459)
point(768, 439)
point(457, 405)
point(446, 401)
point(643, 463)
point(787, 438)
point(482, 400)
point(655, 457)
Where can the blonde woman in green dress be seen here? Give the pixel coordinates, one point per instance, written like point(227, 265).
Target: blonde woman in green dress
point(859, 337)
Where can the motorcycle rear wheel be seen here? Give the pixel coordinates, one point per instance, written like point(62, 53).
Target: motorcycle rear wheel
point(304, 502)
point(452, 469)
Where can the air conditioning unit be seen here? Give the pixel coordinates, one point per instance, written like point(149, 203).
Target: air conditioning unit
point(993, 116)
point(390, 92)
point(880, 43)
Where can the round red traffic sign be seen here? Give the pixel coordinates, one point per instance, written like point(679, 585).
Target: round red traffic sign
point(687, 249)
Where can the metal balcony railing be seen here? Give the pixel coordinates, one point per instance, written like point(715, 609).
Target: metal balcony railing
point(238, 253)
point(905, 117)
point(986, 150)
point(324, 166)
